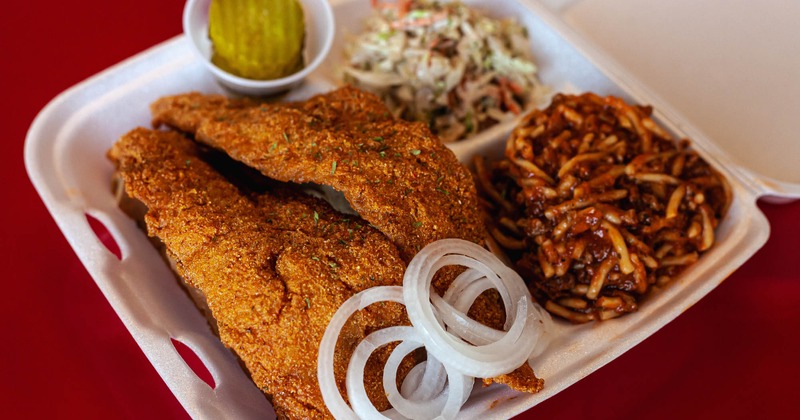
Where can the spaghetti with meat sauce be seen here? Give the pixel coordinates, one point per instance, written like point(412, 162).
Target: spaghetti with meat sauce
point(595, 204)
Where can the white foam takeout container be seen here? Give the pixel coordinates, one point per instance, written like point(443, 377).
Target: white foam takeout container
point(65, 157)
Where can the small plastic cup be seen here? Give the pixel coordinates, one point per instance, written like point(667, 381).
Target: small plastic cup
point(318, 39)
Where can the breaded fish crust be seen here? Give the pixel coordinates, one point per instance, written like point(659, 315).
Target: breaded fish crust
point(395, 174)
point(273, 271)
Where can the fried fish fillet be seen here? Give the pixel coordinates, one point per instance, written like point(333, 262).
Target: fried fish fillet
point(395, 174)
point(273, 271)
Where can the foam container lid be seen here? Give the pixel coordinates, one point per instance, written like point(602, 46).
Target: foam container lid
point(579, 46)
point(729, 67)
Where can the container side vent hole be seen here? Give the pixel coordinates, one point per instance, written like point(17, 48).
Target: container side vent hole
point(194, 363)
point(104, 236)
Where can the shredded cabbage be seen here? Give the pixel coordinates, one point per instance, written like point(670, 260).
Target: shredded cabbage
point(444, 64)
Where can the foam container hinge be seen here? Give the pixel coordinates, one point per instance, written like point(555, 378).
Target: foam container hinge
point(65, 155)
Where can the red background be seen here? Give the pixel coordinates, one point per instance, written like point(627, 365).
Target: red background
point(65, 353)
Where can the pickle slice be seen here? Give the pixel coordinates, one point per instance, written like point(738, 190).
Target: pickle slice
point(257, 39)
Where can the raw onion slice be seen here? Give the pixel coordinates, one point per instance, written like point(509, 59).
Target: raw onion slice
point(427, 397)
point(425, 401)
point(327, 381)
point(545, 332)
point(459, 348)
point(498, 356)
point(424, 381)
point(445, 406)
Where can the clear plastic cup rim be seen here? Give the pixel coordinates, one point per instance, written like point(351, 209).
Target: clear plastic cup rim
point(319, 36)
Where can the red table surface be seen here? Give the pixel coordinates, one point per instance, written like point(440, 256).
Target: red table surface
point(65, 353)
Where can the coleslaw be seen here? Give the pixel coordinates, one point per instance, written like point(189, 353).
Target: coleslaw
point(446, 64)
